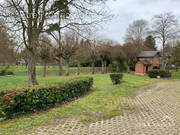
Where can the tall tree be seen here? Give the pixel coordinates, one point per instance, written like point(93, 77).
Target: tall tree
point(165, 27)
point(136, 32)
point(150, 43)
point(55, 30)
point(69, 48)
point(80, 54)
point(30, 17)
point(45, 52)
point(7, 45)
point(92, 49)
point(118, 55)
point(104, 52)
point(134, 40)
point(86, 20)
point(130, 53)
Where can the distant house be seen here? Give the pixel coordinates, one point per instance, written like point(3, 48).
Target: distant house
point(148, 60)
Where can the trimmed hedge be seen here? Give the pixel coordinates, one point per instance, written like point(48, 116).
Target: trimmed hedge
point(116, 78)
point(33, 99)
point(161, 73)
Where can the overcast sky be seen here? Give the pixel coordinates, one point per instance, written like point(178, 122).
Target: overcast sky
point(126, 11)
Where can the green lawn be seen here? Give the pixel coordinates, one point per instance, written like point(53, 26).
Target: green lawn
point(20, 77)
point(175, 75)
point(103, 98)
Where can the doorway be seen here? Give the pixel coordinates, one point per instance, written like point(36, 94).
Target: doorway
point(146, 69)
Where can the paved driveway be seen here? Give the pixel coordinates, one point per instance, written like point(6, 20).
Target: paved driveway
point(155, 110)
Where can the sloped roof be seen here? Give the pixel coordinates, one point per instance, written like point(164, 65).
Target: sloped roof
point(145, 62)
point(148, 53)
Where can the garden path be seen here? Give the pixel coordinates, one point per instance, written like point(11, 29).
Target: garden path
point(154, 110)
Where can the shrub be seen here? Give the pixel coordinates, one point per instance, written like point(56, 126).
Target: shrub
point(114, 67)
point(161, 73)
point(5, 72)
point(164, 74)
point(32, 99)
point(116, 78)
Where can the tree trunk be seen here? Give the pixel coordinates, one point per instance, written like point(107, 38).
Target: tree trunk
point(60, 48)
point(93, 68)
point(163, 54)
point(127, 67)
point(60, 67)
point(78, 68)
point(176, 67)
point(102, 63)
point(67, 68)
point(105, 65)
point(163, 63)
point(117, 67)
point(32, 80)
point(44, 70)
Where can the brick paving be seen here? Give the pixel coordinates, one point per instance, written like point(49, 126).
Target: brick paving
point(155, 110)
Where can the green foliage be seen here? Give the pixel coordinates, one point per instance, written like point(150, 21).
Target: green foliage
point(175, 74)
point(176, 55)
point(37, 98)
point(150, 43)
point(120, 67)
point(4, 71)
point(113, 67)
point(161, 73)
point(116, 78)
point(63, 7)
point(45, 54)
point(53, 27)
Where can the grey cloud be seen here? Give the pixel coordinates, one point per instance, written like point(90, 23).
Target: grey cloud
point(126, 11)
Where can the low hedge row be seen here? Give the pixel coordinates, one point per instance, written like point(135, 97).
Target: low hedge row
point(161, 73)
point(33, 99)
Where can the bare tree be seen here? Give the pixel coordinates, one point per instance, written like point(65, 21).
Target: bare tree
point(82, 18)
point(69, 48)
point(7, 45)
point(92, 49)
point(80, 54)
point(118, 55)
point(134, 40)
point(30, 18)
point(165, 28)
point(130, 51)
point(136, 32)
point(45, 52)
point(104, 52)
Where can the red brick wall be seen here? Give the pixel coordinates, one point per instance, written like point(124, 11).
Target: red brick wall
point(156, 61)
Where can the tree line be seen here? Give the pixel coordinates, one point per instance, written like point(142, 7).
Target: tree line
point(68, 22)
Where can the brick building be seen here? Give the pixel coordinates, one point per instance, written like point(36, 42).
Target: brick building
point(148, 60)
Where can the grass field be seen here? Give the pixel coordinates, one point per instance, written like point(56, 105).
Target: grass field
point(103, 98)
point(99, 100)
point(175, 75)
point(20, 77)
